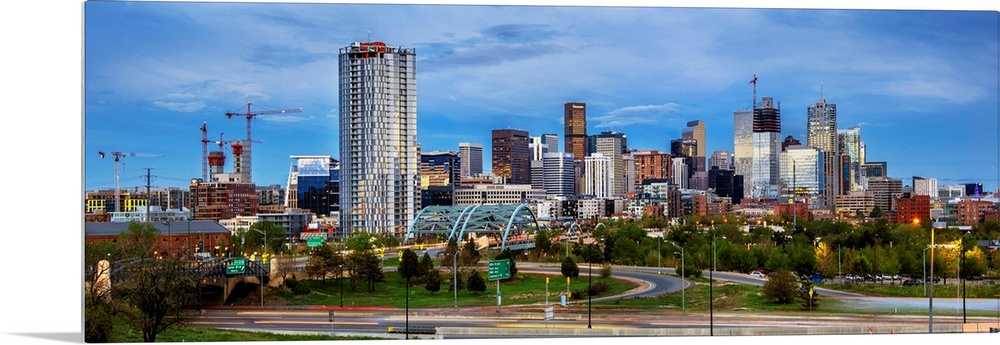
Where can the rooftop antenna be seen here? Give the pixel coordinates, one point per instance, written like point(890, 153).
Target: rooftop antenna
point(822, 101)
point(754, 82)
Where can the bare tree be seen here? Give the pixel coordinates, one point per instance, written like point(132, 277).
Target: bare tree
point(148, 288)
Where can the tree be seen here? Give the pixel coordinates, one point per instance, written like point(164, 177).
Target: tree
point(426, 266)
point(626, 252)
point(781, 287)
point(543, 241)
point(507, 254)
point(323, 261)
point(569, 268)
point(808, 296)
point(876, 213)
point(150, 288)
point(476, 283)
point(275, 235)
point(366, 266)
point(469, 256)
point(409, 265)
point(448, 255)
point(433, 281)
point(362, 241)
point(152, 293)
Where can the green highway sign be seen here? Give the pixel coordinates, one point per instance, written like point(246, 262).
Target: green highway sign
point(238, 266)
point(499, 269)
point(315, 241)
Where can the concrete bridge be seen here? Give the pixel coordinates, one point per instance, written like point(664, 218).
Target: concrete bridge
point(216, 277)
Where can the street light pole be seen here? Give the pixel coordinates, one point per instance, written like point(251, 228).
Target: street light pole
point(711, 301)
point(930, 301)
point(964, 319)
point(590, 277)
point(683, 282)
point(454, 272)
point(264, 251)
point(659, 269)
point(924, 256)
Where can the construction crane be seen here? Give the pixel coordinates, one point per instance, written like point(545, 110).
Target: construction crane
point(118, 156)
point(249, 116)
point(239, 157)
point(754, 82)
point(204, 151)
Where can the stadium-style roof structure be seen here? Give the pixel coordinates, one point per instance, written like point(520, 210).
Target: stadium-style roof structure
point(456, 221)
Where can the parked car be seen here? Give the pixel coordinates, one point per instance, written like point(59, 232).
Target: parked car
point(936, 279)
point(911, 282)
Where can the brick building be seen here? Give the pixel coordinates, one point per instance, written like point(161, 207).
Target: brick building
point(910, 207)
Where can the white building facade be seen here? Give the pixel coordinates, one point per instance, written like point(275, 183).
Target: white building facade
point(379, 154)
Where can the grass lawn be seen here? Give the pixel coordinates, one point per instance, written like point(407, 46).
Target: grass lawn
point(522, 289)
point(972, 290)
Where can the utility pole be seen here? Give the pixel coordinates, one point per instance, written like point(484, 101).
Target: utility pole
point(148, 199)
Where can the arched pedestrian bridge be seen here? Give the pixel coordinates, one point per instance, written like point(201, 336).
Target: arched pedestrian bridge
point(503, 222)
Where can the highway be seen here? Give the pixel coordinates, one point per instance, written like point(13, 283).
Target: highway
point(572, 320)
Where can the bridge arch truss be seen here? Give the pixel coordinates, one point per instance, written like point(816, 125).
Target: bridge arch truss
point(456, 221)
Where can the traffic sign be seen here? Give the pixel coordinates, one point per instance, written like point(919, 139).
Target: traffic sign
point(499, 269)
point(315, 241)
point(237, 266)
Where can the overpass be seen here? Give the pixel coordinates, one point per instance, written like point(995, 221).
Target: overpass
point(214, 275)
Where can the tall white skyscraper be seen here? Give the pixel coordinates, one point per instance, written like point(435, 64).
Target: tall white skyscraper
point(925, 186)
point(681, 177)
point(471, 159)
point(614, 145)
point(821, 133)
point(559, 174)
point(598, 175)
point(379, 154)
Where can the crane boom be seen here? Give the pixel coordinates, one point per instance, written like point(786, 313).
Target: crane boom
point(245, 171)
point(118, 155)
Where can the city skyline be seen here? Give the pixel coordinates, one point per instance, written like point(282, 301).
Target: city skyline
point(902, 76)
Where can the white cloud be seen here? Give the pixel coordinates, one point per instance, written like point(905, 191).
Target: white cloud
point(635, 115)
point(184, 107)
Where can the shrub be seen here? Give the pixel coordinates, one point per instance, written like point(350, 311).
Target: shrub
point(605, 271)
point(476, 283)
point(598, 288)
point(781, 287)
point(296, 287)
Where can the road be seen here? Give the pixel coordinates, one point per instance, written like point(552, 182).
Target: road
point(572, 320)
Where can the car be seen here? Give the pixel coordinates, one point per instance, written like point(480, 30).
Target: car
point(989, 281)
point(911, 282)
point(936, 279)
point(758, 274)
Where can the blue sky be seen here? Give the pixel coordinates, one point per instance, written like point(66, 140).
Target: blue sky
point(923, 85)
point(45, 121)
